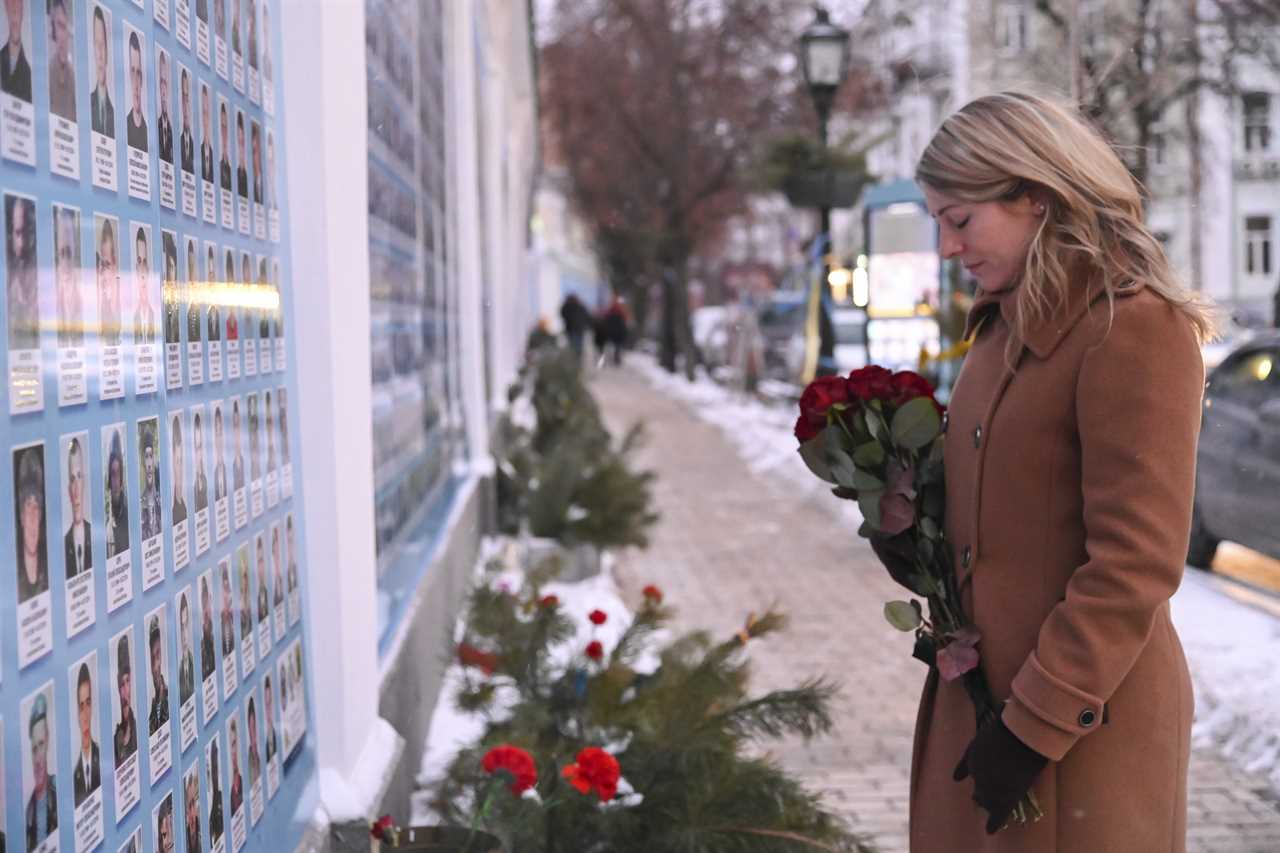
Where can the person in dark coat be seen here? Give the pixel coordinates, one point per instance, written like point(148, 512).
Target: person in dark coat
point(616, 323)
point(576, 319)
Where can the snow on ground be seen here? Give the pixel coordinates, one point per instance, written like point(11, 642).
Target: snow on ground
point(1230, 643)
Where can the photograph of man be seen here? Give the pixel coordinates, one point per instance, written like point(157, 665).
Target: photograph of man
point(87, 775)
point(102, 111)
point(260, 550)
point(267, 704)
point(159, 687)
point(134, 844)
point(108, 278)
point(186, 139)
point(237, 778)
point(224, 131)
point(293, 554)
point(219, 455)
point(15, 71)
point(191, 790)
point(271, 165)
point(136, 120)
point(164, 124)
point(283, 401)
point(125, 739)
point(252, 26)
point(186, 652)
point(66, 273)
point(255, 457)
point(214, 323)
point(206, 131)
point(23, 284)
point(255, 755)
point(246, 610)
point(266, 42)
point(233, 317)
point(235, 36)
point(195, 327)
point(77, 542)
point(207, 662)
point(179, 509)
point(144, 315)
point(152, 518)
point(172, 305)
point(255, 133)
point(270, 432)
point(29, 520)
point(117, 499)
point(242, 171)
point(228, 625)
point(42, 800)
point(164, 824)
point(215, 793)
point(197, 447)
point(62, 60)
point(277, 578)
point(237, 464)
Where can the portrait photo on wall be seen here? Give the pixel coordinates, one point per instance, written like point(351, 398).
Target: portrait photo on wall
point(39, 749)
point(86, 751)
point(17, 117)
point(22, 281)
point(64, 135)
point(102, 100)
point(164, 116)
point(214, 799)
point(150, 507)
point(77, 535)
point(144, 312)
point(124, 721)
point(116, 492)
point(107, 279)
point(137, 117)
point(162, 824)
point(29, 521)
point(67, 277)
point(186, 134)
point(171, 297)
point(159, 740)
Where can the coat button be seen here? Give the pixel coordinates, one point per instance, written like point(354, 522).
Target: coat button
point(1087, 718)
point(966, 556)
point(977, 437)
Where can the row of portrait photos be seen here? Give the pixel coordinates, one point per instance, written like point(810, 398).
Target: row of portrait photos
point(203, 503)
point(82, 49)
point(231, 299)
point(212, 784)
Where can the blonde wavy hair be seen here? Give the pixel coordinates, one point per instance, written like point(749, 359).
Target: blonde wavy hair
point(1004, 146)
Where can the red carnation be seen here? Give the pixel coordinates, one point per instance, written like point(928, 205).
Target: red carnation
point(872, 382)
point(469, 655)
point(595, 769)
point(515, 761)
point(381, 827)
point(598, 617)
point(652, 593)
point(548, 601)
point(595, 651)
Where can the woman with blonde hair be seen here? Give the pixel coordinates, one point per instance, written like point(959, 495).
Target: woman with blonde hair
point(1070, 467)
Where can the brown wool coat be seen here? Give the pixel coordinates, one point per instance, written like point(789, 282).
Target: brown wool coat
point(1069, 490)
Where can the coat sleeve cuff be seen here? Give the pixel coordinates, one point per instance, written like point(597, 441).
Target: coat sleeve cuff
point(1046, 713)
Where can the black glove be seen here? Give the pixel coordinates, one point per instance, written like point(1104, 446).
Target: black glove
point(1003, 769)
point(898, 556)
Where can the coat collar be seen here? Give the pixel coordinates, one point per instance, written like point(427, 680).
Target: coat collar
point(1043, 336)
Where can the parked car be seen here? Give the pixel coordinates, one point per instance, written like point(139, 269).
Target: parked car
point(1238, 466)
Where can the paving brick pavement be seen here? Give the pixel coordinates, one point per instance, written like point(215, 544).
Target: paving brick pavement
point(731, 541)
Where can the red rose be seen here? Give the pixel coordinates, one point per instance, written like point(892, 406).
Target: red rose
point(515, 761)
point(595, 769)
point(819, 396)
point(595, 651)
point(469, 655)
point(598, 617)
point(872, 382)
point(908, 385)
point(806, 430)
point(548, 601)
point(652, 593)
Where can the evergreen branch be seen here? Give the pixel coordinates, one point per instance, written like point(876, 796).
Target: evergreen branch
point(779, 833)
point(802, 710)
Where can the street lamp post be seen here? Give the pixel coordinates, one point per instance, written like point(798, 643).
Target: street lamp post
point(824, 57)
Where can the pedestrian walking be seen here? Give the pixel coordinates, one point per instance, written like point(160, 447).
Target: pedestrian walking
point(616, 325)
point(576, 319)
point(1070, 467)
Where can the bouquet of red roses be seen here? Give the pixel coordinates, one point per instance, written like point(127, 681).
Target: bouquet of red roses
point(876, 436)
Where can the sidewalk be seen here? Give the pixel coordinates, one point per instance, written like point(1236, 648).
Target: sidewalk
point(735, 538)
